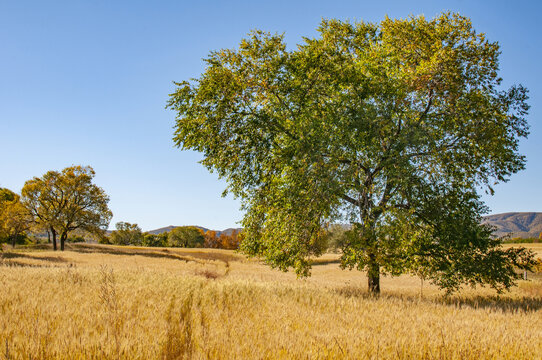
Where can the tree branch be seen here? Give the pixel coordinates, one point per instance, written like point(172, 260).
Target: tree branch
point(429, 103)
point(350, 200)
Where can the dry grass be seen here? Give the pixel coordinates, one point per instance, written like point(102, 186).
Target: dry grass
point(133, 303)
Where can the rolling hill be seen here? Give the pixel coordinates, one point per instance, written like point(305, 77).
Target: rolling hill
point(171, 227)
point(516, 224)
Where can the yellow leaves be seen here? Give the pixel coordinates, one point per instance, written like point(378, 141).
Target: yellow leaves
point(14, 218)
point(67, 200)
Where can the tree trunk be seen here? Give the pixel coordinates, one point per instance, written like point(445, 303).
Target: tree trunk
point(48, 236)
point(373, 276)
point(53, 233)
point(13, 240)
point(63, 240)
point(368, 218)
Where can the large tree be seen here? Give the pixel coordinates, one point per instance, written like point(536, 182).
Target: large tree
point(392, 127)
point(67, 200)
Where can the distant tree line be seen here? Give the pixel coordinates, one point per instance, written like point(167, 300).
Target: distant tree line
point(182, 236)
point(520, 240)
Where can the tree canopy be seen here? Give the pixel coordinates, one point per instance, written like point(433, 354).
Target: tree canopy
point(15, 219)
point(186, 236)
point(392, 127)
point(126, 234)
point(67, 200)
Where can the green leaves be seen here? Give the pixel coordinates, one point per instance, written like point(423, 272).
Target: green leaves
point(379, 125)
point(186, 236)
point(126, 234)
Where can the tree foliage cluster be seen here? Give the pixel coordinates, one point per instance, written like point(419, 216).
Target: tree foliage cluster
point(131, 234)
point(186, 236)
point(126, 234)
point(155, 240)
point(14, 218)
point(392, 127)
point(229, 241)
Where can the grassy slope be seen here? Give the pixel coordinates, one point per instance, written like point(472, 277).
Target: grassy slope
point(136, 303)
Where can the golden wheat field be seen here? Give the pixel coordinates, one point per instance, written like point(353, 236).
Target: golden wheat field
point(105, 302)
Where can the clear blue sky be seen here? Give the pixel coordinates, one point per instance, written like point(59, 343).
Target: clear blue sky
point(86, 82)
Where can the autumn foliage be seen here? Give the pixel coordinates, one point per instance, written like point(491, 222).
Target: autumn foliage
point(229, 241)
point(181, 236)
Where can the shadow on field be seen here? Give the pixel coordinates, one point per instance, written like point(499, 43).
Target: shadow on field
point(15, 255)
point(497, 303)
point(526, 304)
point(159, 253)
point(21, 264)
point(205, 255)
point(7, 260)
point(30, 247)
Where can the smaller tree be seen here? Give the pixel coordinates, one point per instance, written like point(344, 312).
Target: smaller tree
point(154, 240)
point(230, 241)
point(211, 240)
point(14, 217)
point(186, 236)
point(126, 234)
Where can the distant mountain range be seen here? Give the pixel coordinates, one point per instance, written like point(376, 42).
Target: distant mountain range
point(227, 231)
point(516, 224)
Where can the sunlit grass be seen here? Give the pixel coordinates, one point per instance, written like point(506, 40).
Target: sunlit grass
point(144, 303)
